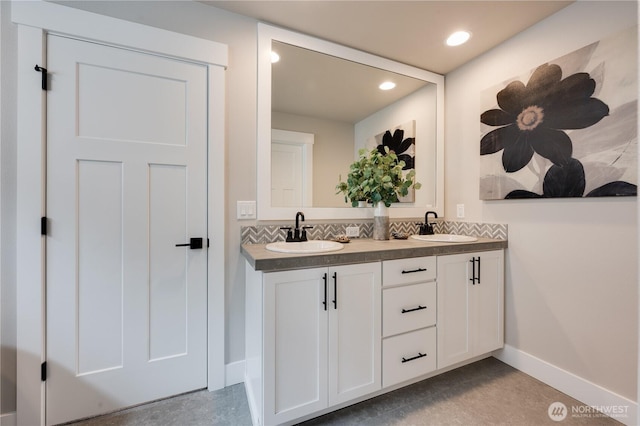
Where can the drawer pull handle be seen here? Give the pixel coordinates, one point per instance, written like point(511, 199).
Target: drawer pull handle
point(419, 308)
point(413, 270)
point(420, 355)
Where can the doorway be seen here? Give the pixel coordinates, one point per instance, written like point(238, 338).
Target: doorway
point(36, 20)
point(126, 188)
point(291, 168)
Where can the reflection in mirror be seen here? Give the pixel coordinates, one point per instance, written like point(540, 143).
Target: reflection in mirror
point(291, 168)
point(331, 98)
point(330, 93)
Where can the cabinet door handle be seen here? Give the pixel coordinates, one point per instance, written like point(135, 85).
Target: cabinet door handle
point(335, 290)
point(420, 355)
point(473, 271)
point(324, 302)
point(413, 270)
point(475, 278)
point(419, 308)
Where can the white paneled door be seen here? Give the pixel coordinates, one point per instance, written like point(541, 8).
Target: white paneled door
point(126, 183)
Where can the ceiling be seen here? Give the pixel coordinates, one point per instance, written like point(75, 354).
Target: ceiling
point(411, 32)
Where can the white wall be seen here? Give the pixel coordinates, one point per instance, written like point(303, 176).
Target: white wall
point(571, 274)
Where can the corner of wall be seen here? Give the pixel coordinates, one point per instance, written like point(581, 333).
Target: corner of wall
point(594, 396)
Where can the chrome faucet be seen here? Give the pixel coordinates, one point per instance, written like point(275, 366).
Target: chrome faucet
point(427, 228)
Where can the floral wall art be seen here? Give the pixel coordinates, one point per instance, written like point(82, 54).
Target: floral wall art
point(401, 140)
point(567, 129)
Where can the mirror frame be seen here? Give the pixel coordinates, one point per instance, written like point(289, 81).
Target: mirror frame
point(267, 34)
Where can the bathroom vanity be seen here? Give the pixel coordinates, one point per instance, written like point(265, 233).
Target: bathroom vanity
point(327, 330)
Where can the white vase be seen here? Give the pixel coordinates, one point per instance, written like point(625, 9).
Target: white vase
point(380, 221)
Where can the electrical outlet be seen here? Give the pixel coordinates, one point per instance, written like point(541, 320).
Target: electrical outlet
point(460, 211)
point(246, 210)
point(353, 231)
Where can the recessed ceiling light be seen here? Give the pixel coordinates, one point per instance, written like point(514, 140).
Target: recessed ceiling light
point(387, 85)
point(274, 57)
point(458, 38)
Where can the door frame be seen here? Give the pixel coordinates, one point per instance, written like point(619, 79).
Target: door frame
point(35, 20)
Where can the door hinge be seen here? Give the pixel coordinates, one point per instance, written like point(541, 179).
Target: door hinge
point(43, 371)
point(207, 243)
point(44, 75)
point(43, 226)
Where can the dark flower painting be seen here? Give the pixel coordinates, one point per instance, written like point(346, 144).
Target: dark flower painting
point(401, 140)
point(568, 129)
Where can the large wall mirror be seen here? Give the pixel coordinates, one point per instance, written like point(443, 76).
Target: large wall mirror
point(318, 105)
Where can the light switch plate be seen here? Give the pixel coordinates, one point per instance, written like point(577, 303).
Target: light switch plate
point(246, 210)
point(460, 211)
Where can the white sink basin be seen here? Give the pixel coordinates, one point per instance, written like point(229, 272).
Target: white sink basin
point(313, 246)
point(445, 238)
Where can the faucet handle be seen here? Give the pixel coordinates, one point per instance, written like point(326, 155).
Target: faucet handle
point(303, 235)
point(289, 233)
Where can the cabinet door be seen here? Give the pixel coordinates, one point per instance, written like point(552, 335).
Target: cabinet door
point(295, 344)
point(454, 291)
point(354, 331)
point(470, 312)
point(488, 303)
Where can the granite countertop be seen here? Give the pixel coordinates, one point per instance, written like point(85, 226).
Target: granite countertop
point(361, 251)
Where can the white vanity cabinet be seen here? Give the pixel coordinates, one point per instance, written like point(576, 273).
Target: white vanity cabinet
point(470, 305)
point(320, 336)
point(321, 339)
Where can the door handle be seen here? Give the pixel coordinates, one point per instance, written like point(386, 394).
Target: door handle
point(194, 243)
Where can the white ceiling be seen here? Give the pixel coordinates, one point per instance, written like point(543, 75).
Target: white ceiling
point(412, 32)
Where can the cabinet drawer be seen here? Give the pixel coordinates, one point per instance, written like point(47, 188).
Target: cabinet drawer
point(408, 355)
point(407, 271)
point(408, 308)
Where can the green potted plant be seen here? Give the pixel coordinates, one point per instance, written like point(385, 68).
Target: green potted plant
point(377, 178)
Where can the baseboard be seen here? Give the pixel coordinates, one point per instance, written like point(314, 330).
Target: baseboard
point(234, 373)
point(8, 419)
point(618, 407)
point(253, 405)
